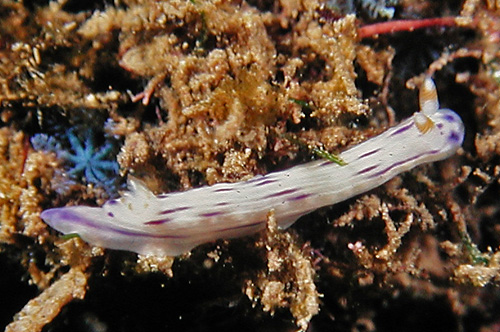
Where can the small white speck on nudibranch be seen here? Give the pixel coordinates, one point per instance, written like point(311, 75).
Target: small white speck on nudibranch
point(174, 223)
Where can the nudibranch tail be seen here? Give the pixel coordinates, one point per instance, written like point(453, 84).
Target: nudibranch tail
point(97, 228)
point(174, 223)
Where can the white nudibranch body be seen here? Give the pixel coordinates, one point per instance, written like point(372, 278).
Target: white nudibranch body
point(174, 223)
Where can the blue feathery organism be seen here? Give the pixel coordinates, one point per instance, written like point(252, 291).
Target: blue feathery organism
point(44, 142)
point(96, 165)
point(89, 161)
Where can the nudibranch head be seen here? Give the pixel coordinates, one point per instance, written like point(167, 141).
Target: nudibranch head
point(447, 125)
point(442, 129)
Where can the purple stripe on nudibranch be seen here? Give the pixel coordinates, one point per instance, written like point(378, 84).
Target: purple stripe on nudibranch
point(158, 222)
point(402, 129)
point(268, 181)
point(221, 190)
point(282, 193)
point(65, 215)
point(299, 197)
point(222, 204)
point(399, 163)
point(366, 154)
point(110, 214)
point(367, 169)
point(211, 214)
point(255, 179)
point(174, 210)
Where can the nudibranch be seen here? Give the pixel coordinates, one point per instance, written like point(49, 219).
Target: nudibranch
point(174, 223)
